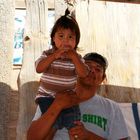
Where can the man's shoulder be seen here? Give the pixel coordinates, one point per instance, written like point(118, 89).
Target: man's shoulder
point(105, 99)
point(103, 102)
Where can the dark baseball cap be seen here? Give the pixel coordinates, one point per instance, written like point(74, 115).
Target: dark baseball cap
point(97, 58)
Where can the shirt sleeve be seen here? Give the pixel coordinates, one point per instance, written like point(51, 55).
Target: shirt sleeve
point(37, 114)
point(61, 134)
point(44, 54)
point(118, 128)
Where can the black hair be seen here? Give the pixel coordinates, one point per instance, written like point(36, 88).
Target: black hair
point(97, 58)
point(66, 22)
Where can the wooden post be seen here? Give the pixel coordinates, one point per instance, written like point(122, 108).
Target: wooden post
point(6, 51)
point(36, 40)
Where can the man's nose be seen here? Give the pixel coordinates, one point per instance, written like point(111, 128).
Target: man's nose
point(93, 70)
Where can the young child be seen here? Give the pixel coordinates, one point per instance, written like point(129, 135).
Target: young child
point(60, 68)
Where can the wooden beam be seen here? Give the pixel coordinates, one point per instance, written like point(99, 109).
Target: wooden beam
point(123, 1)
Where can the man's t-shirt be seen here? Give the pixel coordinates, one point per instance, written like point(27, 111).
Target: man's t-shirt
point(99, 115)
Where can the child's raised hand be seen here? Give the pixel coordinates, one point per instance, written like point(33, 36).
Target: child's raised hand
point(59, 53)
point(64, 51)
point(71, 53)
point(68, 51)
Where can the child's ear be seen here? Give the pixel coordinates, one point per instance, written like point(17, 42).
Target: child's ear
point(53, 39)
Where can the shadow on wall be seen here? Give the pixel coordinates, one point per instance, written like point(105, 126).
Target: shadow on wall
point(120, 94)
point(4, 110)
point(27, 107)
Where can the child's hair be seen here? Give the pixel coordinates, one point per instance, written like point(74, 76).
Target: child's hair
point(66, 22)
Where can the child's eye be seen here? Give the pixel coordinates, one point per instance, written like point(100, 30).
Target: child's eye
point(61, 36)
point(71, 37)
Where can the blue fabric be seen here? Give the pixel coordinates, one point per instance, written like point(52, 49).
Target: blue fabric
point(66, 118)
point(136, 118)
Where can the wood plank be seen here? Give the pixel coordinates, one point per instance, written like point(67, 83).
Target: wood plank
point(123, 1)
point(111, 29)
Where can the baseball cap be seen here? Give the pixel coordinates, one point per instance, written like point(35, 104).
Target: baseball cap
point(97, 58)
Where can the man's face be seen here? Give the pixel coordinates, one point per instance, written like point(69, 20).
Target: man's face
point(97, 72)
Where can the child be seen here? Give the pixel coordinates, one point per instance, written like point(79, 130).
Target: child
point(61, 66)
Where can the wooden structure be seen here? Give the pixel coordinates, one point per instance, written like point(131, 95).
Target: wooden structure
point(109, 28)
point(112, 29)
point(123, 1)
point(6, 41)
point(35, 41)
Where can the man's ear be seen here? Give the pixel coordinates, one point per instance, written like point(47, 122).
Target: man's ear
point(104, 76)
point(104, 79)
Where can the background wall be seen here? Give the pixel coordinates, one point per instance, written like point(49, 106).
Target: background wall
point(109, 28)
point(6, 42)
point(112, 29)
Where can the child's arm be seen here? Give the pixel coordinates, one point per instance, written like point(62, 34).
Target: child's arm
point(81, 68)
point(45, 60)
point(43, 63)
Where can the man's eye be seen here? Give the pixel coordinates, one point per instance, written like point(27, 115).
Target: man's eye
point(98, 70)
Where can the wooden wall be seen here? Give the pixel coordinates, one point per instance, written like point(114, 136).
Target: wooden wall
point(109, 28)
point(6, 51)
point(112, 29)
point(36, 40)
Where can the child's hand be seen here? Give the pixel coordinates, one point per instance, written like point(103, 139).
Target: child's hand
point(59, 53)
point(71, 53)
point(63, 52)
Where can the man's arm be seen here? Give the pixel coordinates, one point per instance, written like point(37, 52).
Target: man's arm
point(39, 129)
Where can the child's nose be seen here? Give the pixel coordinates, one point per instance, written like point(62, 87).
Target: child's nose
point(65, 40)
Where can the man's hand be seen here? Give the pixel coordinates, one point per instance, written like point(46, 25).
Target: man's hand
point(66, 99)
point(79, 132)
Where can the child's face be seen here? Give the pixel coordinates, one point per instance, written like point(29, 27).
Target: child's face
point(64, 38)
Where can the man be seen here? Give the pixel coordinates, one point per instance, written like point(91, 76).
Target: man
point(100, 118)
